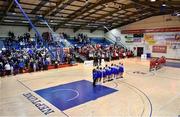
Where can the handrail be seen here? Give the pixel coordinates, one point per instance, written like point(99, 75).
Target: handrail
point(115, 37)
point(53, 33)
point(33, 27)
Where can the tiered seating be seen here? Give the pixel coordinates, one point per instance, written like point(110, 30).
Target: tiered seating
point(101, 41)
point(75, 43)
point(110, 52)
point(92, 40)
point(20, 55)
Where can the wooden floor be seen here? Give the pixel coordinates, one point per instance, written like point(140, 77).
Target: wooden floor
point(144, 94)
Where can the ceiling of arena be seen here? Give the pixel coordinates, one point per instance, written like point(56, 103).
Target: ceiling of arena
point(84, 14)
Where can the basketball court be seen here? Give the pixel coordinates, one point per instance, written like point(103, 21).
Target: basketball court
point(69, 92)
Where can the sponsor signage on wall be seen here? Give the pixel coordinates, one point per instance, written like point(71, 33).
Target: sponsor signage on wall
point(167, 39)
point(138, 37)
point(159, 49)
point(135, 38)
point(129, 38)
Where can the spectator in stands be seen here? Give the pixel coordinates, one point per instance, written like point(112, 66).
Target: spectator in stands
point(1, 69)
point(26, 58)
point(7, 68)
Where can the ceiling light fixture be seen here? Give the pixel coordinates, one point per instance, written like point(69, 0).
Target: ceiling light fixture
point(86, 1)
point(9, 21)
point(106, 5)
point(25, 22)
point(119, 7)
point(164, 4)
point(14, 13)
point(153, 0)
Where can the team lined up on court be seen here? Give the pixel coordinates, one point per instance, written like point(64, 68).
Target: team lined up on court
point(107, 73)
point(157, 63)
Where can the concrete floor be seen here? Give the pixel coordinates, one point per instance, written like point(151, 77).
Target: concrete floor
point(155, 94)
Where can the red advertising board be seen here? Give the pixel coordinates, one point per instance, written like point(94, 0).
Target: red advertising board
point(159, 49)
point(140, 31)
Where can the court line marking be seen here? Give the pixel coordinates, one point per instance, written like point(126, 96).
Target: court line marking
point(141, 99)
point(18, 102)
point(116, 85)
point(25, 85)
point(41, 97)
point(77, 93)
point(106, 84)
point(9, 97)
point(158, 75)
point(150, 103)
point(168, 102)
point(26, 80)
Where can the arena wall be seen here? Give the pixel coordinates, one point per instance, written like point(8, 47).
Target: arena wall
point(164, 21)
point(20, 30)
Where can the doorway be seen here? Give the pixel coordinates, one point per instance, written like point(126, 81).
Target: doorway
point(140, 51)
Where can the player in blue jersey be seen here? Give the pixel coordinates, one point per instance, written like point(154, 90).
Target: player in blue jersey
point(104, 75)
point(95, 76)
point(109, 73)
point(112, 71)
point(121, 70)
point(116, 68)
point(100, 72)
point(108, 70)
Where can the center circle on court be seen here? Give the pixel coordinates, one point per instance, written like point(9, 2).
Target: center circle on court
point(66, 94)
point(111, 84)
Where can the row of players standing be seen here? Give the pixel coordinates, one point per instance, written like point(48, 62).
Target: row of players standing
point(108, 73)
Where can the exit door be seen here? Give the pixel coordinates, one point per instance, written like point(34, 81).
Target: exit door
point(140, 51)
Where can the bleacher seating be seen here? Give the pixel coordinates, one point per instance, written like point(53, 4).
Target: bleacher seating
point(100, 40)
point(21, 54)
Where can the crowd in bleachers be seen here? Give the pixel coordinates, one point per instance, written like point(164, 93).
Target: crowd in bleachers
point(82, 38)
point(48, 37)
point(108, 53)
point(25, 40)
point(64, 35)
point(27, 57)
point(20, 41)
point(14, 61)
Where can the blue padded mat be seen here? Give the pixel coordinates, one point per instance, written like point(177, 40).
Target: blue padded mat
point(73, 94)
point(173, 64)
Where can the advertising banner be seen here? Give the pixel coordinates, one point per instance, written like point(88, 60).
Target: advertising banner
point(133, 38)
point(129, 38)
point(167, 39)
point(159, 49)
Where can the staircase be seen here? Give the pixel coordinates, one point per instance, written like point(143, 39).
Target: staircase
point(81, 57)
point(115, 39)
point(1, 44)
point(118, 41)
